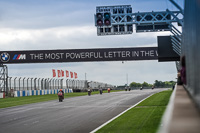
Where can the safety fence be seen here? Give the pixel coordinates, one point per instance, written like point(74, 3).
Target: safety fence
point(24, 83)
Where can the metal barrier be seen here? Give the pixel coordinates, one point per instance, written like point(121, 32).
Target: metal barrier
point(27, 83)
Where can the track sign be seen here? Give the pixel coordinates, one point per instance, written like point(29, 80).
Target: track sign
point(79, 55)
point(118, 20)
point(165, 50)
point(107, 15)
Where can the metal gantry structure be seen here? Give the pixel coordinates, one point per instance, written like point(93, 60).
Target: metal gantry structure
point(119, 20)
point(3, 78)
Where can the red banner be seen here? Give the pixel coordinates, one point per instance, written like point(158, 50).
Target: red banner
point(54, 72)
point(71, 73)
point(75, 75)
point(67, 73)
point(59, 73)
point(63, 73)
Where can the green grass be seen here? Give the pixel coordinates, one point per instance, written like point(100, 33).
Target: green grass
point(158, 99)
point(9, 102)
point(144, 118)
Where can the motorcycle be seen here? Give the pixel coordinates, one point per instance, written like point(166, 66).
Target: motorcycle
point(108, 90)
point(89, 92)
point(60, 96)
point(152, 87)
point(100, 91)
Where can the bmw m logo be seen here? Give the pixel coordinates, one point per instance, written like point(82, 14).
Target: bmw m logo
point(19, 57)
point(4, 57)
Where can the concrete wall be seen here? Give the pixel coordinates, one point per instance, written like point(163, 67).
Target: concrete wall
point(191, 47)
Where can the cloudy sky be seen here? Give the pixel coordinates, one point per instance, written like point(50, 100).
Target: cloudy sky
point(69, 24)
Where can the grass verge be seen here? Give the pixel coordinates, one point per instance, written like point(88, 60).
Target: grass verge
point(15, 101)
point(144, 118)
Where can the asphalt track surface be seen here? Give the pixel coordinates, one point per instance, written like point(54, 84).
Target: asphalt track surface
point(74, 115)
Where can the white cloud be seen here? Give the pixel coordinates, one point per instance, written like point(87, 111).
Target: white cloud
point(81, 36)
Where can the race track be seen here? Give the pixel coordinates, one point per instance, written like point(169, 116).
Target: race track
point(75, 115)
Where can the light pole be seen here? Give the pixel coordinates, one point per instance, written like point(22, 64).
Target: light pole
point(31, 83)
point(15, 83)
point(45, 84)
point(38, 83)
point(53, 84)
point(27, 83)
point(56, 86)
point(78, 84)
point(35, 83)
point(73, 84)
point(61, 82)
point(23, 83)
point(67, 83)
point(10, 83)
point(42, 87)
point(50, 83)
point(19, 82)
point(127, 79)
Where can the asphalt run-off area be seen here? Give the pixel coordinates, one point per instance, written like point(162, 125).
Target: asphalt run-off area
point(78, 114)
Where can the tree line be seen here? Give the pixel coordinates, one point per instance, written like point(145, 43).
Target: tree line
point(155, 84)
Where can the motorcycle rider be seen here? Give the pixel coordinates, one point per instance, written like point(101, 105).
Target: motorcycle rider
point(152, 87)
point(89, 91)
point(141, 87)
point(108, 90)
point(61, 91)
point(100, 91)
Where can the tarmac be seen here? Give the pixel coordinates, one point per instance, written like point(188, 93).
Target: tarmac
point(75, 115)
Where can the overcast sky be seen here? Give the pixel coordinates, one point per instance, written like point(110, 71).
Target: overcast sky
point(67, 24)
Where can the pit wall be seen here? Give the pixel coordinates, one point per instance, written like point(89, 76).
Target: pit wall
point(39, 92)
point(190, 48)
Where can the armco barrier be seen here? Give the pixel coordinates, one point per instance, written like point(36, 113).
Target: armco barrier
point(39, 92)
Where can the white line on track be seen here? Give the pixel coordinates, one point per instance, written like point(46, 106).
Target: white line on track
point(118, 115)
